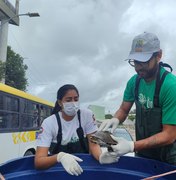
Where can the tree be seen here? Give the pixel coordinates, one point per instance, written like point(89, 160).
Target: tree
point(108, 116)
point(132, 115)
point(2, 70)
point(15, 71)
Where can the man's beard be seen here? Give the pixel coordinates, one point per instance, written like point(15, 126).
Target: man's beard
point(147, 74)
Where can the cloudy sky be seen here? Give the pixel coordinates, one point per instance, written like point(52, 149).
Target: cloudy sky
point(85, 42)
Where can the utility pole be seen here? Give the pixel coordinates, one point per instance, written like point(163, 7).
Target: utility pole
point(10, 15)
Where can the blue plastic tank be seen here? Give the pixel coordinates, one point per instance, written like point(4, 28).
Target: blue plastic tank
point(133, 168)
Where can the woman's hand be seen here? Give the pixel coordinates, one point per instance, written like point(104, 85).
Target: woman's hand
point(70, 164)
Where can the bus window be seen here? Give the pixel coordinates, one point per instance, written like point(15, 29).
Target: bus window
point(26, 121)
point(23, 106)
point(2, 120)
point(12, 120)
point(9, 120)
point(30, 107)
point(36, 113)
point(45, 111)
point(15, 120)
point(48, 111)
point(11, 104)
point(42, 114)
point(9, 115)
point(1, 102)
point(30, 118)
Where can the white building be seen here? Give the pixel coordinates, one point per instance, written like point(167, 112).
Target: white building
point(99, 111)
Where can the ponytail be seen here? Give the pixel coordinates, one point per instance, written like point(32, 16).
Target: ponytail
point(56, 108)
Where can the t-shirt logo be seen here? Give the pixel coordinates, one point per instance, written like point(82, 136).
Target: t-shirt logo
point(39, 132)
point(145, 101)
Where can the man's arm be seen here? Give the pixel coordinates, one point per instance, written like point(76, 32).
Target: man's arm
point(119, 116)
point(122, 113)
point(167, 136)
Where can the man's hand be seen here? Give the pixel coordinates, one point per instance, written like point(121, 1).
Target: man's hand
point(123, 146)
point(70, 164)
point(105, 125)
point(108, 158)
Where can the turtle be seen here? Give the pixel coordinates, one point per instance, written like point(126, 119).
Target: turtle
point(104, 139)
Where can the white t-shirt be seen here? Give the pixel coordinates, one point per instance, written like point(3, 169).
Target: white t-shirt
point(50, 128)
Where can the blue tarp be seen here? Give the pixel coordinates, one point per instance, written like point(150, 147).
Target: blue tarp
point(133, 168)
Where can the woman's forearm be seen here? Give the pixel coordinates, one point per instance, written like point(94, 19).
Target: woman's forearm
point(45, 162)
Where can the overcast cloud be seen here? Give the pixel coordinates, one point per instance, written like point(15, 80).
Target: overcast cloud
point(85, 43)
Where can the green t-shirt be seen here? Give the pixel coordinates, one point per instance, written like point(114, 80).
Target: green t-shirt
point(167, 97)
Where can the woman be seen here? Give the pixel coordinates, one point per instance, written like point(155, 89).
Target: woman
point(67, 131)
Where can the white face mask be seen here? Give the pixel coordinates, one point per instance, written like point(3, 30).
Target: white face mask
point(71, 108)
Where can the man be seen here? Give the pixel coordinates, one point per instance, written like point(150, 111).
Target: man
point(153, 91)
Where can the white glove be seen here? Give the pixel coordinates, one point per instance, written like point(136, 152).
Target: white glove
point(123, 146)
point(108, 157)
point(114, 122)
point(70, 164)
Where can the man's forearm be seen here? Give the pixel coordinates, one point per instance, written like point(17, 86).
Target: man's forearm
point(157, 140)
point(120, 115)
point(123, 111)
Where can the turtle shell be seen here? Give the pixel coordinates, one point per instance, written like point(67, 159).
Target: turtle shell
point(103, 138)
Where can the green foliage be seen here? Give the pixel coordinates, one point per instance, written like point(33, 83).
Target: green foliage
point(15, 71)
point(2, 70)
point(108, 116)
point(132, 117)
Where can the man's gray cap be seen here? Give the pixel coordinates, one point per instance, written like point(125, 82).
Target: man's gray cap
point(143, 46)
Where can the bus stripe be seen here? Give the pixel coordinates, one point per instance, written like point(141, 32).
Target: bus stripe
point(24, 137)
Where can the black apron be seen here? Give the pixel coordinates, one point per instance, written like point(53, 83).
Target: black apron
point(80, 146)
point(149, 122)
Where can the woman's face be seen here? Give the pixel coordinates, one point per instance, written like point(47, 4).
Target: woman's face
point(69, 103)
point(70, 96)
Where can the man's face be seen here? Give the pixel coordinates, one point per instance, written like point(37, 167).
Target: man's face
point(147, 70)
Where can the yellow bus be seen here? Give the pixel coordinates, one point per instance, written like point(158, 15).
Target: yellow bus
point(21, 115)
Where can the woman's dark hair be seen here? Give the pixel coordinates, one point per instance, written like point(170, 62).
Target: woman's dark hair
point(61, 93)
